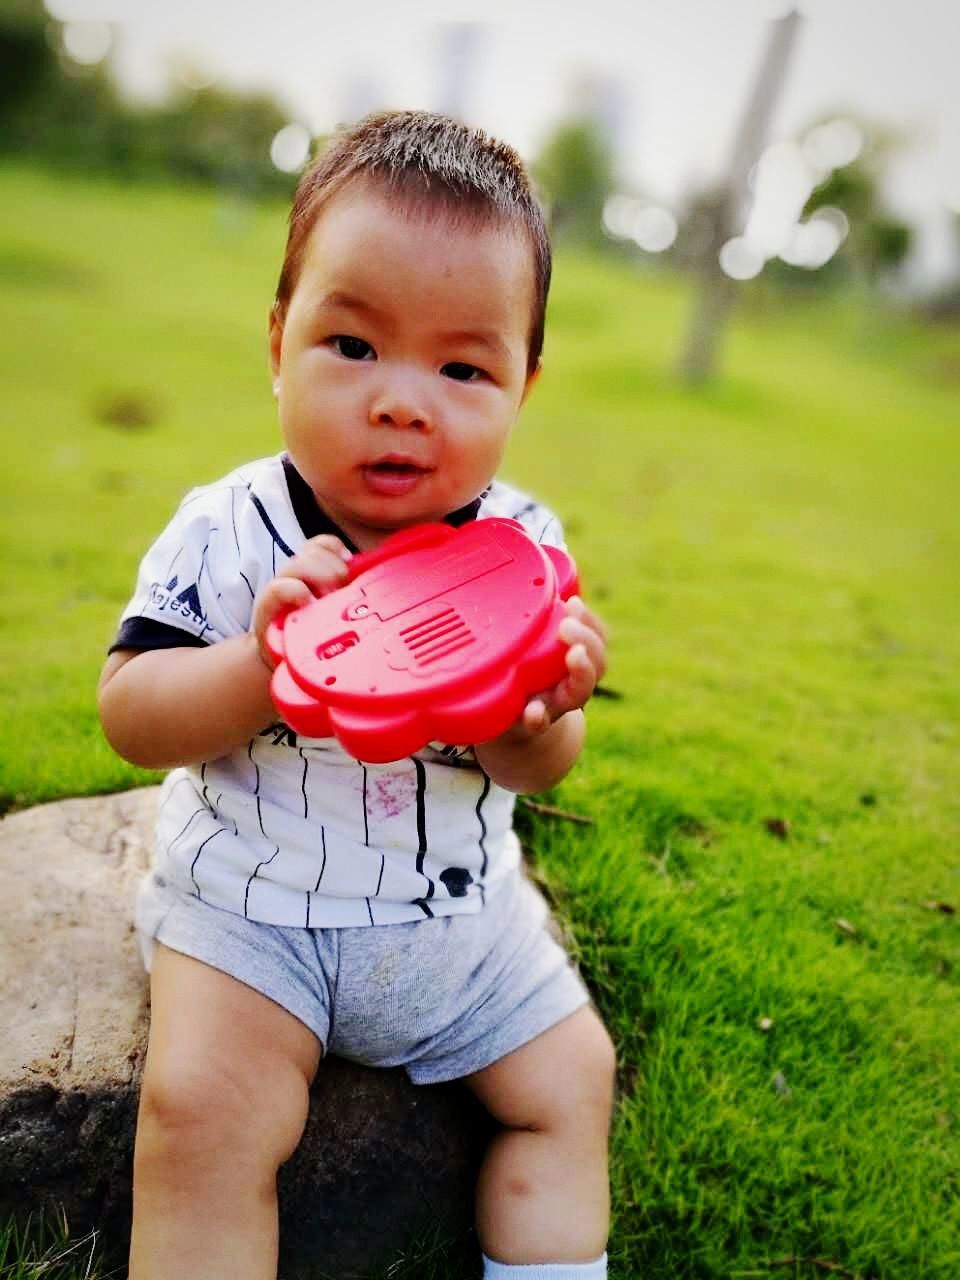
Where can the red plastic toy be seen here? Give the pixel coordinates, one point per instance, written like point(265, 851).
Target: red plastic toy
point(440, 634)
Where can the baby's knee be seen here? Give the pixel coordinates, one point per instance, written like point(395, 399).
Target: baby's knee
point(192, 1110)
point(591, 1067)
point(574, 1094)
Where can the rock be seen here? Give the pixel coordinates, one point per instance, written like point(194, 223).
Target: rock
point(380, 1160)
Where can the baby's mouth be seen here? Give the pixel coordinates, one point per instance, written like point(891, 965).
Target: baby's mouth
point(393, 476)
point(396, 468)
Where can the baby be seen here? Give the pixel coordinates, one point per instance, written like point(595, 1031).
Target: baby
point(405, 336)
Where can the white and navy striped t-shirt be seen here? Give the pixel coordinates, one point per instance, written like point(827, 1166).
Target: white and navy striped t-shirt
point(291, 830)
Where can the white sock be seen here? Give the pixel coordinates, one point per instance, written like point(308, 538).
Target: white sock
point(545, 1270)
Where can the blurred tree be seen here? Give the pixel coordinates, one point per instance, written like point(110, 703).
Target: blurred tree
point(27, 62)
point(716, 293)
point(74, 117)
point(877, 242)
point(697, 234)
point(575, 173)
point(216, 136)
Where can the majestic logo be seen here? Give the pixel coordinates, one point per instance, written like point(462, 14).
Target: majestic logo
point(186, 603)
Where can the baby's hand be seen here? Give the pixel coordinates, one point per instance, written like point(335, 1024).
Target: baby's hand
point(319, 568)
point(586, 636)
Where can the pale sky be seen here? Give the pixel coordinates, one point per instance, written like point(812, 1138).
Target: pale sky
point(677, 74)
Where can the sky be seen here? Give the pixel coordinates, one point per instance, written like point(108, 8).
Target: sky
point(671, 76)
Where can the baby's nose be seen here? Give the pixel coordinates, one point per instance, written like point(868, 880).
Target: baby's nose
point(400, 402)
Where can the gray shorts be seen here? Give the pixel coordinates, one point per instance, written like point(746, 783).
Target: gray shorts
point(442, 997)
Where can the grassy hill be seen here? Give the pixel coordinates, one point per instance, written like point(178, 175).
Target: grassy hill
point(764, 902)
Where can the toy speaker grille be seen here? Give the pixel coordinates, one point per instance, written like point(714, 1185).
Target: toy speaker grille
point(437, 636)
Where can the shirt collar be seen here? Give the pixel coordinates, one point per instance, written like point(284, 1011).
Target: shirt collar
point(313, 520)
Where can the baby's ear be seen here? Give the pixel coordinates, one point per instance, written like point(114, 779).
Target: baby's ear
point(275, 331)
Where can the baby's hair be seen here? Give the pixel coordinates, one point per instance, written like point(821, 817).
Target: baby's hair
point(429, 162)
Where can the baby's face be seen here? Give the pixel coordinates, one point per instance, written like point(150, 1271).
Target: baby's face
point(401, 362)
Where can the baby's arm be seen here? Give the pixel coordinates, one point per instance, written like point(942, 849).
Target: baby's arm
point(163, 707)
point(543, 746)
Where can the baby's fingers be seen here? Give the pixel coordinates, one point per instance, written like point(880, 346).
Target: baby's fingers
point(577, 609)
point(582, 676)
point(576, 632)
point(321, 563)
point(284, 593)
point(279, 595)
point(570, 694)
point(536, 717)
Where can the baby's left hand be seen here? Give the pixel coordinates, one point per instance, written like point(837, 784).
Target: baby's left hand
point(583, 631)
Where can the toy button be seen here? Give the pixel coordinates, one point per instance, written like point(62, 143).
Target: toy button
point(339, 644)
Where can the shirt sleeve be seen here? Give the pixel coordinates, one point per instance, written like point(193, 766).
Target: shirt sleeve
point(550, 532)
point(539, 522)
point(178, 599)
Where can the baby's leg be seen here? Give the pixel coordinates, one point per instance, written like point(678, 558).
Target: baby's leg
point(543, 1193)
point(223, 1104)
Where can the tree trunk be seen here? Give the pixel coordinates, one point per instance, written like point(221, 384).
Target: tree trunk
point(716, 291)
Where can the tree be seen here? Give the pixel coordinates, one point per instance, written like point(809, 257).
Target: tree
point(216, 136)
point(575, 172)
point(877, 242)
point(715, 296)
point(77, 119)
point(27, 62)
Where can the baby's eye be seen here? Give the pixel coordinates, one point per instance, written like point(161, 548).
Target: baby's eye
point(460, 371)
point(351, 348)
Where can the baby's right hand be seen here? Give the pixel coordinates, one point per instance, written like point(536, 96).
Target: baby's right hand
point(319, 568)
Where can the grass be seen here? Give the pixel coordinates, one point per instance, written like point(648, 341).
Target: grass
point(44, 1249)
point(761, 903)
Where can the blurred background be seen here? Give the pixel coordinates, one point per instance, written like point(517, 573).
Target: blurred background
point(813, 144)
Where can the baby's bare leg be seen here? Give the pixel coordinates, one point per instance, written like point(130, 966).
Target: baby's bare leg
point(543, 1193)
point(223, 1104)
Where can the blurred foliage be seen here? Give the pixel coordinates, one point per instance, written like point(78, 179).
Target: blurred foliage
point(876, 246)
point(25, 57)
point(73, 117)
point(878, 243)
point(575, 173)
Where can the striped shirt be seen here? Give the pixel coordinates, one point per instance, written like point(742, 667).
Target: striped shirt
point(291, 830)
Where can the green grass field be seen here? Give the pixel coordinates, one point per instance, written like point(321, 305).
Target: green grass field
point(776, 817)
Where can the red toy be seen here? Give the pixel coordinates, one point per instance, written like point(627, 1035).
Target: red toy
point(440, 634)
